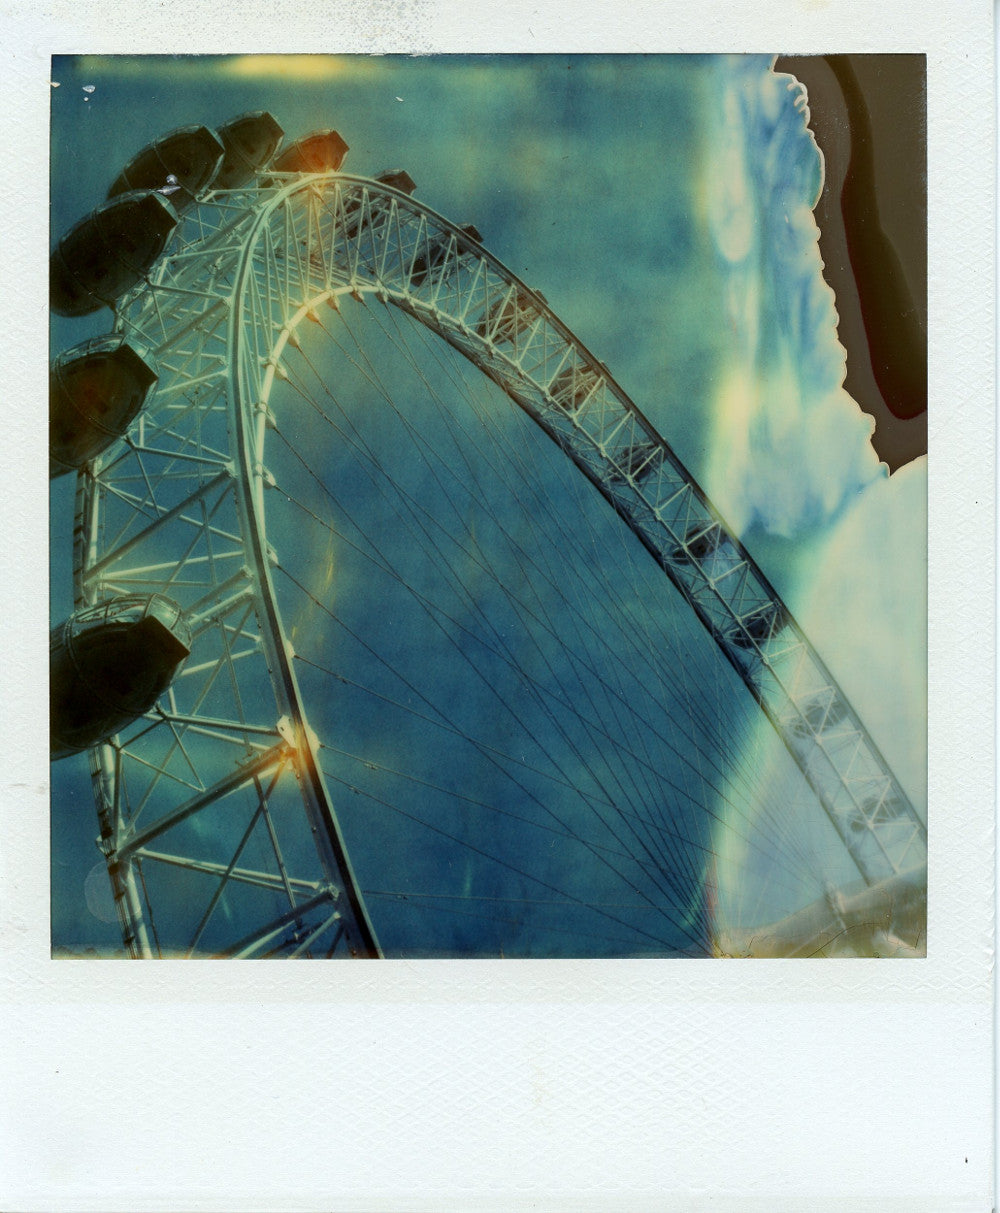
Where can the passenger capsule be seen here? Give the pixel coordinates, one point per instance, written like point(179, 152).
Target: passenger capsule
point(319, 152)
point(699, 543)
point(250, 140)
point(883, 807)
point(636, 462)
point(180, 166)
point(96, 390)
point(108, 664)
point(355, 221)
point(571, 386)
point(436, 253)
point(758, 627)
point(106, 254)
point(819, 714)
point(508, 320)
point(397, 179)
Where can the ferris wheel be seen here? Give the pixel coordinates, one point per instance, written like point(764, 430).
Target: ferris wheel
point(257, 443)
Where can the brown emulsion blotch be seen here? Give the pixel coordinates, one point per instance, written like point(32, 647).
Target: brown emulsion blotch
point(868, 115)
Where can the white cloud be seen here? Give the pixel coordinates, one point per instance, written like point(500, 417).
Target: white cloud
point(866, 614)
point(789, 447)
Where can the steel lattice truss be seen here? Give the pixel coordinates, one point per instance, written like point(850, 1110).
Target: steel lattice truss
point(225, 765)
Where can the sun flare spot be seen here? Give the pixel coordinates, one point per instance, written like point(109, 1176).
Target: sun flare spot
point(297, 67)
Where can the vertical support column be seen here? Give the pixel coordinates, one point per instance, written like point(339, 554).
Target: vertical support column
point(123, 887)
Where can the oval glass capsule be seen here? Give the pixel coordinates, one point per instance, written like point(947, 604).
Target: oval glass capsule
point(96, 390)
point(180, 166)
point(108, 252)
point(250, 141)
point(108, 665)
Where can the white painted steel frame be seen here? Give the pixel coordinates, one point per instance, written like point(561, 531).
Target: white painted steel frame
point(220, 312)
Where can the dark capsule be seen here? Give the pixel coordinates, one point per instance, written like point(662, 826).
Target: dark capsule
point(397, 179)
point(699, 543)
point(319, 152)
point(96, 390)
point(507, 321)
point(180, 165)
point(250, 141)
point(758, 627)
point(571, 386)
point(818, 715)
point(357, 217)
point(109, 664)
point(881, 810)
point(635, 462)
point(435, 252)
point(106, 254)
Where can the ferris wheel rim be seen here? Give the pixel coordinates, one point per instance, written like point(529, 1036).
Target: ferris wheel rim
point(250, 506)
point(438, 320)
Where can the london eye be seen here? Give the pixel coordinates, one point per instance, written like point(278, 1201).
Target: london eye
point(399, 628)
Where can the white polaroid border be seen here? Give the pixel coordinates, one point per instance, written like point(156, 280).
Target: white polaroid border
point(783, 1085)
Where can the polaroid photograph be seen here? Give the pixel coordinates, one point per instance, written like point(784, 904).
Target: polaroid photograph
point(512, 518)
point(387, 620)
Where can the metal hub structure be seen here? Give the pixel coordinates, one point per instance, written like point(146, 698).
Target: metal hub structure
point(228, 754)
